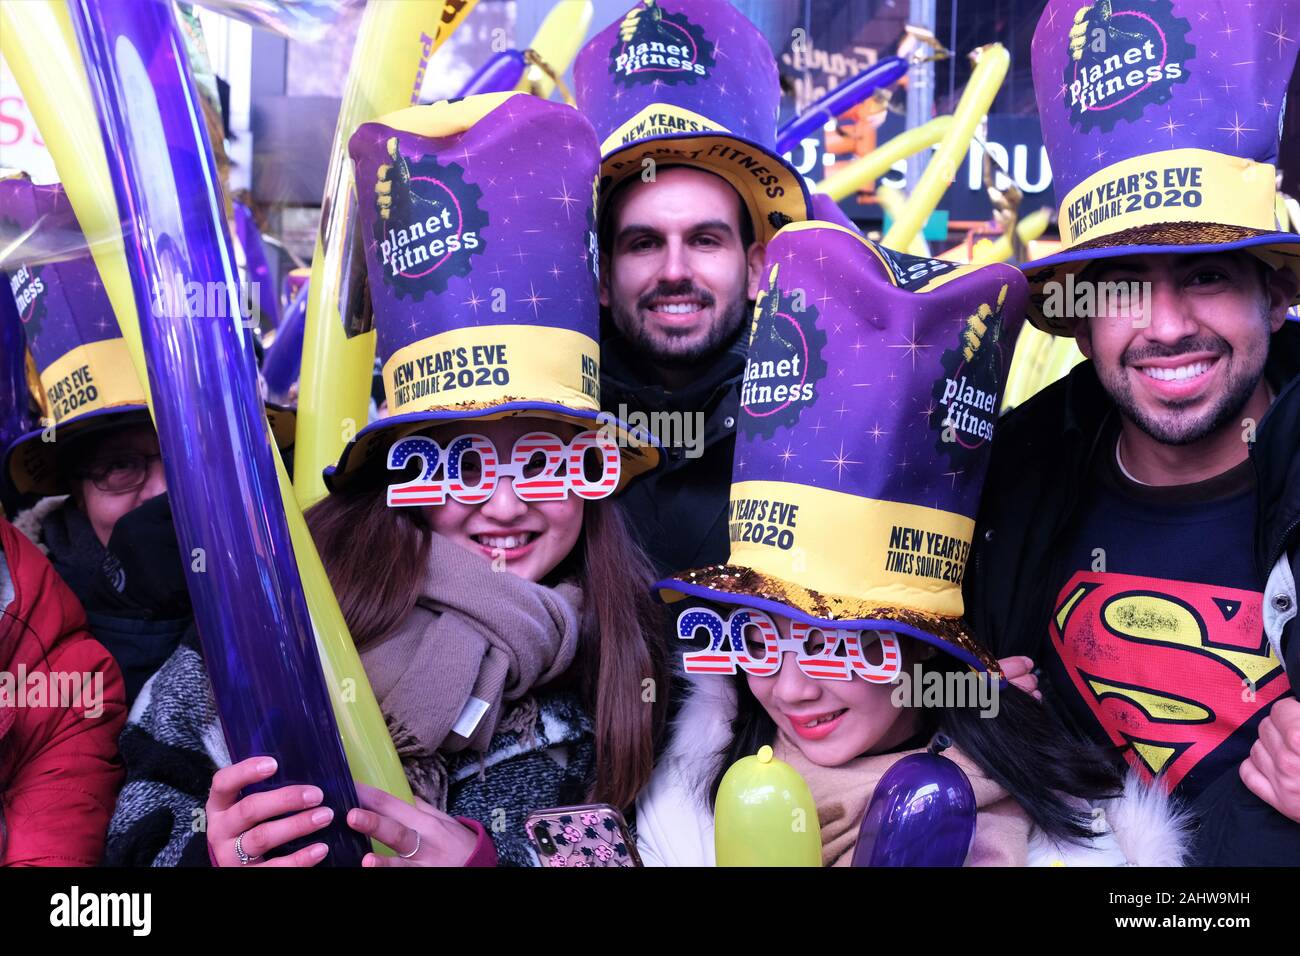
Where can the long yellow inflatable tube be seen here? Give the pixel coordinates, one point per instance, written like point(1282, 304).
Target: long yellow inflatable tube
point(851, 177)
point(985, 81)
point(394, 43)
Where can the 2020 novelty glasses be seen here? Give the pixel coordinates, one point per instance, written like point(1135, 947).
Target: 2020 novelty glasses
point(542, 467)
point(756, 646)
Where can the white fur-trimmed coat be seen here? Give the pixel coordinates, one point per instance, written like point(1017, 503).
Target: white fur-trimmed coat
point(675, 825)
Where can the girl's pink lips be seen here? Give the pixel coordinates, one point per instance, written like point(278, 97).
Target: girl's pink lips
point(800, 724)
point(510, 554)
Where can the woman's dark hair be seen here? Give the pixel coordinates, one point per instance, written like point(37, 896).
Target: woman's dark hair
point(1024, 748)
point(375, 557)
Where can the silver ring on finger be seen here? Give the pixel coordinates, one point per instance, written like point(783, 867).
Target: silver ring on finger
point(244, 858)
point(407, 856)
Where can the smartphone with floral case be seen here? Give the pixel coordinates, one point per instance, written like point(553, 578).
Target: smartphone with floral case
point(592, 835)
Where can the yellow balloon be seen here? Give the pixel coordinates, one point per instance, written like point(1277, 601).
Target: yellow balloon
point(372, 758)
point(984, 83)
point(892, 202)
point(765, 815)
point(557, 42)
point(848, 178)
point(992, 250)
point(394, 42)
point(1033, 225)
point(1039, 360)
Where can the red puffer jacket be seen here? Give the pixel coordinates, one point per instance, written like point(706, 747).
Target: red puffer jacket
point(59, 766)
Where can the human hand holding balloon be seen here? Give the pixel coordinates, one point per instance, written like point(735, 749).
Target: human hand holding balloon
point(258, 822)
point(435, 838)
point(263, 822)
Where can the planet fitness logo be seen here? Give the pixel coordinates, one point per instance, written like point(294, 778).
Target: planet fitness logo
point(429, 226)
point(967, 393)
point(785, 361)
point(28, 288)
point(1124, 56)
point(653, 44)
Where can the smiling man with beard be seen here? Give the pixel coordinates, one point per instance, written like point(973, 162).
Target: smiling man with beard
point(682, 267)
point(1140, 530)
point(680, 270)
point(684, 97)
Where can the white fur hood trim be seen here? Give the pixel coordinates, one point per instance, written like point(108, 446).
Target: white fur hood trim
point(1150, 827)
point(29, 522)
point(673, 821)
point(702, 729)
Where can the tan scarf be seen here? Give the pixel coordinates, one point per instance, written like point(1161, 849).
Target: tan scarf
point(843, 793)
point(474, 633)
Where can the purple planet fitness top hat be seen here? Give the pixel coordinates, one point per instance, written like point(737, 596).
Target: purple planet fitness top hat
point(80, 356)
point(478, 219)
point(690, 82)
point(1162, 121)
point(867, 412)
point(87, 378)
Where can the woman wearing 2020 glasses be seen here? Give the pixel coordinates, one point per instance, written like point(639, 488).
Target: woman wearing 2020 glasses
point(499, 605)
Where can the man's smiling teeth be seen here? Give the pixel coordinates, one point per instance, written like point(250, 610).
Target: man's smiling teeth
point(679, 308)
point(506, 542)
point(1176, 374)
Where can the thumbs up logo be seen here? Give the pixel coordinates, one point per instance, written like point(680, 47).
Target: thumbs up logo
point(1124, 55)
point(656, 46)
point(968, 393)
point(430, 222)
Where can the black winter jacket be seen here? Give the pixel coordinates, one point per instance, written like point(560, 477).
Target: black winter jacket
point(679, 512)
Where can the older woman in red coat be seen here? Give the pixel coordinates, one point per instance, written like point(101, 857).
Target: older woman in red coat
point(62, 705)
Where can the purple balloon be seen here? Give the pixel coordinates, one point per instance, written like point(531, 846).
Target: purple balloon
point(500, 74)
point(256, 267)
point(15, 419)
point(256, 632)
point(922, 814)
point(283, 361)
point(839, 100)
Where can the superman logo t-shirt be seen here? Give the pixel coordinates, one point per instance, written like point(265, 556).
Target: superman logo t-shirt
point(1157, 641)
